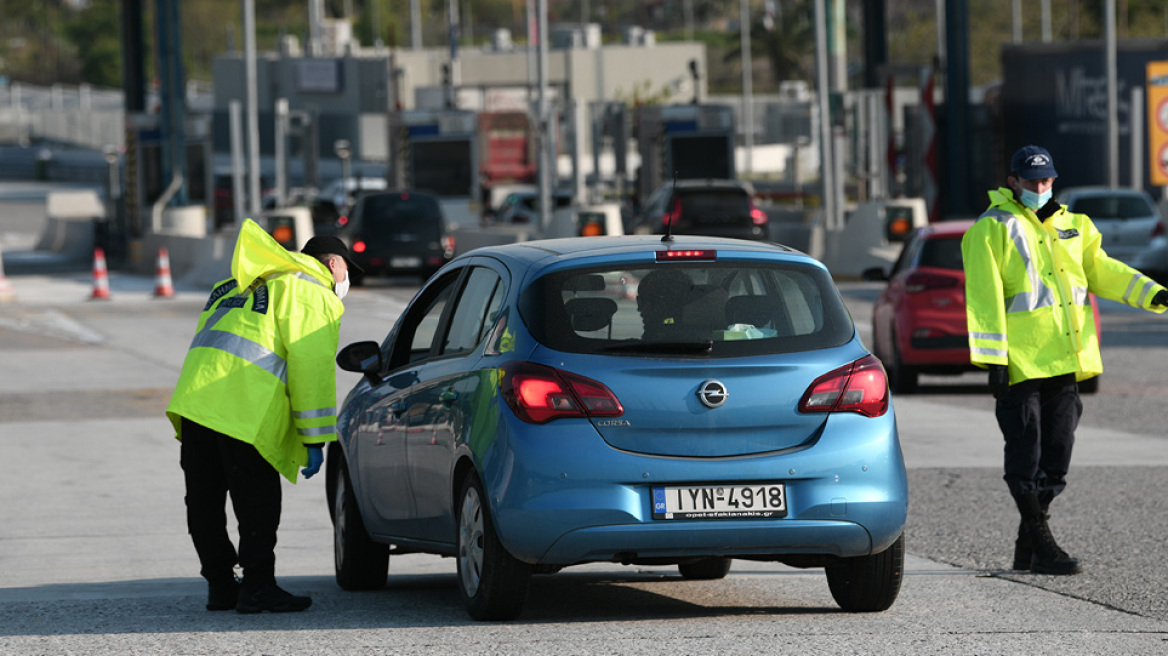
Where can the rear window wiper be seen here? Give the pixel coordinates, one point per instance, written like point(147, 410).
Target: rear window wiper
point(697, 346)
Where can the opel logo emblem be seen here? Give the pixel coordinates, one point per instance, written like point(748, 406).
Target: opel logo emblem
point(712, 393)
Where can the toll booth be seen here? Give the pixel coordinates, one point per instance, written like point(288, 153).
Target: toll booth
point(436, 151)
point(691, 141)
point(290, 226)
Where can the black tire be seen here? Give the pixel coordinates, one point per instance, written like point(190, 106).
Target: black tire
point(492, 582)
point(868, 584)
point(902, 379)
point(1089, 386)
point(706, 569)
point(361, 563)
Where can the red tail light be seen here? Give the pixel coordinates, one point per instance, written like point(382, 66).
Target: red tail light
point(342, 221)
point(757, 216)
point(673, 215)
point(539, 394)
point(358, 246)
point(920, 281)
point(1159, 229)
point(857, 387)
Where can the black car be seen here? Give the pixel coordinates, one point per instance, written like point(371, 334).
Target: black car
point(715, 208)
point(398, 233)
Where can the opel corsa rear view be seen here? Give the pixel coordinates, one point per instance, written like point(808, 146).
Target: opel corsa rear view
point(681, 402)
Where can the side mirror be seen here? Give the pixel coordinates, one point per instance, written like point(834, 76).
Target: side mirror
point(875, 274)
point(362, 358)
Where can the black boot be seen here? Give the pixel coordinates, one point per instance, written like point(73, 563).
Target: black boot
point(1023, 548)
point(222, 593)
point(1046, 556)
point(269, 597)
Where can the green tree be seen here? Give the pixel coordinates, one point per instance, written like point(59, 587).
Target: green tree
point(95, 33)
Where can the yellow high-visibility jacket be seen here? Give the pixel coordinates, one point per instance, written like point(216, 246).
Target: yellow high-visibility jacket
point(260, 368)
point(1026, 286)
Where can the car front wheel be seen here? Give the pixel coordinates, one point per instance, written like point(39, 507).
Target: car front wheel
point(361, 563)
point(868, 584)
point(492, 582)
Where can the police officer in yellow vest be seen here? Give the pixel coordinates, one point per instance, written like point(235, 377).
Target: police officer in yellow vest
point(257, 399)
point(1029, 266)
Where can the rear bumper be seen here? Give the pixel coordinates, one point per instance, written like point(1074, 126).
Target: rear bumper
point(847, 495)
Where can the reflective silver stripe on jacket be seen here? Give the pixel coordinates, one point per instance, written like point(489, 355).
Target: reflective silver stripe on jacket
point(244, 348)
point(996, 337)
point(314, 414)
point(1143, 292)
point(1040, 295)
point(316, 432)
point(1000, 353)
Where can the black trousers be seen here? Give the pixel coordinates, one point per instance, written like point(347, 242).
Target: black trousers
point(215, 465)
point(1038, 419)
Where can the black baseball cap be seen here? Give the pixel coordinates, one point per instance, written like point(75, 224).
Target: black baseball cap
point(330, 245)
point(1032, 163)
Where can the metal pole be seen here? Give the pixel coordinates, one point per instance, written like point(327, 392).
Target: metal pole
point(415, 25)
point(1046, 32)
point(281, 165)
point(545, 161)
point(827, 163)
point(747, 87)
point(1017, 21)
point(1137, 137)
point(942, 46)
point(1112, 101)
point(689, 19)
point(235, 123)
point(253, 116)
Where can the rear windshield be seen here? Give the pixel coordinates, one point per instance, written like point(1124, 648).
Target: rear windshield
point(943, 253)
point(687, 309)
point(1113, 207)
point(416, 213)
point(714, 205)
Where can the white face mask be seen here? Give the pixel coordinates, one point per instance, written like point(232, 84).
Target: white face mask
point(1035, 200)
point(342, 287)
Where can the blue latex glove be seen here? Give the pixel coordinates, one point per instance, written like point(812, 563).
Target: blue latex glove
point(315, 460)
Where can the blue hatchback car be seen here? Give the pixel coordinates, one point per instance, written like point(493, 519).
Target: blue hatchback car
point(621, 399)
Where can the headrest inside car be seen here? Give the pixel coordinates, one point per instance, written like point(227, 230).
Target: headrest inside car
point(591, 282)
point(589, 314)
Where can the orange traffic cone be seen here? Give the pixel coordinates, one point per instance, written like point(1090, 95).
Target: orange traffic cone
point(163, 286)
point(6, 292)
point(101, 288)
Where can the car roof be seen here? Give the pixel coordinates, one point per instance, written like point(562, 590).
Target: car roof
point(538, 255)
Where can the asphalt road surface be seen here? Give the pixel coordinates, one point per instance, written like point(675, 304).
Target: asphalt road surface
point(94, 556)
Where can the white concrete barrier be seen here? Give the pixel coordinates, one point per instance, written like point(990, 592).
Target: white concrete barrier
point(69, 222)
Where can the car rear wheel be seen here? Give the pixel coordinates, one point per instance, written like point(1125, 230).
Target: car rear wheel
point(706, 569)
point(492, 582)
point(902, 378)
point(361, 563)
point(868, 584)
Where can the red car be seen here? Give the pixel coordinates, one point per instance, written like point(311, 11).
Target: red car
point(918, 323)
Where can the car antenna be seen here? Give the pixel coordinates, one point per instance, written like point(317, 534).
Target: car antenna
point(668, 238)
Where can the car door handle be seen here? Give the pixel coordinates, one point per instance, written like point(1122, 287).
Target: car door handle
point(449, 396)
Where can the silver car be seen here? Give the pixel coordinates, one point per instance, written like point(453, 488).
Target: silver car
point(1130, 223)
